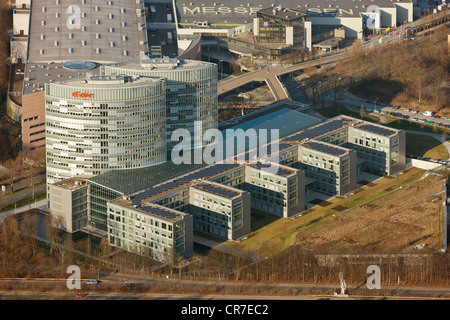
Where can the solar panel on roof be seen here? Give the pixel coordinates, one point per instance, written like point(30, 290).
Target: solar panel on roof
point(221, 191)
point(324, 148)
point(376, 129)
point(318, 130)
point(281, 171)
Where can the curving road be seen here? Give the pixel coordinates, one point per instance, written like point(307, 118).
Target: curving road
point(270, 75)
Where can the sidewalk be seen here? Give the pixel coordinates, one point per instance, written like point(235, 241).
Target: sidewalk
point(41, 204)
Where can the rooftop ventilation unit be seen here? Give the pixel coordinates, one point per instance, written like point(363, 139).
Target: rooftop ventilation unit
point(124, 38)
point(111, 30)
point(97, 35)
point(71, 35)
point(42, 36)
point(44, 9)
point(70, 50)
point(43, 23)
point(41, 51)
point(56, 29)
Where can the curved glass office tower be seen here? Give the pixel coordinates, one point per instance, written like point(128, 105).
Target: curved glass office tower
point(191, 88)
point(101, 123)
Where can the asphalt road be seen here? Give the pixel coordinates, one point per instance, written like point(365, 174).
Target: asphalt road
point(122, 288)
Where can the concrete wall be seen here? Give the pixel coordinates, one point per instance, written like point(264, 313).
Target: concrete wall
point(189, 237)
point(352, 25)
point(405, 11)
point(22, 3)
point(426, 165)
point(13, 109)
point(301, 194)
point(401, 154)
point(18, 49)
point(290, 35)
point(190, 49)
point(388, 17)
point(308, 35)
point(33, 105)
point(246, 214)
point(353, 178)
point(61, 203)
point(21, 19)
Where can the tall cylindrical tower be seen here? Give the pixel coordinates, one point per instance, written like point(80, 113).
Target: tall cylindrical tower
point(101, 123)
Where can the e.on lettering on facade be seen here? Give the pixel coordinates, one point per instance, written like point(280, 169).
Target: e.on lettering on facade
point(81, 94)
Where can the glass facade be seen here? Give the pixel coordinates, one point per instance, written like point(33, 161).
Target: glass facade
point(98, 204)
point(145, 234)
point(191, 91)
point(92, 128)
point(274, 24)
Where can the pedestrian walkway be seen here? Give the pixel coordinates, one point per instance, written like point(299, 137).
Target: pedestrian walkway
point(41, 204)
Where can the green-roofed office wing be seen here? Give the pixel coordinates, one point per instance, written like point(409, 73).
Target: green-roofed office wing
point(217, 199)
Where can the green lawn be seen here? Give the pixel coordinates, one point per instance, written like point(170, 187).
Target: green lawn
point(338, 109)
point(392, 122)
point(425, 146)
point(415, 126)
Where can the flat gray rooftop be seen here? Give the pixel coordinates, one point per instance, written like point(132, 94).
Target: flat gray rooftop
point(237, 12)
point(68, 31)
point(108, 31)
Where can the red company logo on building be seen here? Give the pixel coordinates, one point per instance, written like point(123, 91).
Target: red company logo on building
point(81, 95)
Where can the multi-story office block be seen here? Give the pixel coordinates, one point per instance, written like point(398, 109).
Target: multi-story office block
point(332, 168)
point(280, 25)
point(69, 203)
point(150, 230)
point(220, 210)
point(191, 91)
point(101, 123)
point(217, 199)
point(381, 149)
point(281, 193)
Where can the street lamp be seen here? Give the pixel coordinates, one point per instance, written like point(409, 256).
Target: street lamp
point(376, 105)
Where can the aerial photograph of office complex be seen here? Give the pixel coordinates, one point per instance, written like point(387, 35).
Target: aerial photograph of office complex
point(273, 150)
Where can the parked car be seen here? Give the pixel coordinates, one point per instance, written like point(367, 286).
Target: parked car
point(92, 282)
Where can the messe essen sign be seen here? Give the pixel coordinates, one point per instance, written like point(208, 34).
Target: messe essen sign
point(251, 10)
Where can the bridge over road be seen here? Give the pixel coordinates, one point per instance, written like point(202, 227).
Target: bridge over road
point(270, 75)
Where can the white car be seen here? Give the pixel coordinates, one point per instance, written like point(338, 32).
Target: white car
point(92, 282)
